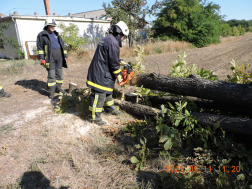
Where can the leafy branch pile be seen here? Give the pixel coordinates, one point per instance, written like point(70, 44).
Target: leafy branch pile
point(212, 157)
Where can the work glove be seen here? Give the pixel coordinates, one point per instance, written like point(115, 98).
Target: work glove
point(42, 62)
point(119, 78)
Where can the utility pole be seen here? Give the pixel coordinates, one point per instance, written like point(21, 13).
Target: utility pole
point(47, 7)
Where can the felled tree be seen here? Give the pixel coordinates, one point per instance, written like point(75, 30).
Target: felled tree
point(132, 12)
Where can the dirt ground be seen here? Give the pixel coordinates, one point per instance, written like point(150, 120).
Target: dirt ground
point(30, 131)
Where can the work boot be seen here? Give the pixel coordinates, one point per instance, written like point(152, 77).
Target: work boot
point(51, 91)
point(4, 94)
point(99, 122)
point(114, 112)
point(58, 88)
point(111, 110)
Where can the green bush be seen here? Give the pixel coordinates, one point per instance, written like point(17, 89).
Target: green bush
point(71, 37)
point(235, 31)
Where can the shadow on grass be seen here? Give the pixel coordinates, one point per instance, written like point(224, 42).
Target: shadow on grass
point(35, 85)
point(35, 179)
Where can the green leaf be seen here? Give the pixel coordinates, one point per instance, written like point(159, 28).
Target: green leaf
point(171, 106)
point(240, 177)
point(134, 160)
point(184, 105)
point(163, 138)
point(138, 146)
point(141, 141)
point(216, 125)
point(177, 122)
point(163, 174)
point(168, 144)
point(187, 112)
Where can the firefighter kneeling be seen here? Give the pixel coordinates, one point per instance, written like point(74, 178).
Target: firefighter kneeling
point(103, 71)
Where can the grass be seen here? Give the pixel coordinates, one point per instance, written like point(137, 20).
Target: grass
point(6, 128)
point(15, 67)
point(157, 47)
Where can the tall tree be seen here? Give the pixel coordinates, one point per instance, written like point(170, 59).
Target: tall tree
point(190, 20)
point(132, 12)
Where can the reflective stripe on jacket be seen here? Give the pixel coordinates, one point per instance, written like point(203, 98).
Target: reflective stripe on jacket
point(105, 65)
point(44, 47)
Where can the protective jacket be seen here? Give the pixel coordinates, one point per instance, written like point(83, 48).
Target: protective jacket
point(105, 66)
point(44, 48)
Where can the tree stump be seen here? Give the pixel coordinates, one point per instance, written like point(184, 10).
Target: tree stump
point(131, 97)
point(72, 86)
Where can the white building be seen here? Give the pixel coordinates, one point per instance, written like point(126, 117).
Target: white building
point(25, 28)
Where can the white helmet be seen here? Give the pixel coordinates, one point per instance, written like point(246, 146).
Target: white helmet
point(123, 27)
point(50, 22)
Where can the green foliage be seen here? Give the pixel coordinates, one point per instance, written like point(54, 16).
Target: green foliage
point(179, 69)
point(207, 74)
point(79, 100)
point(132, 12)
point(6, 129)
point(158, 50)
point(240, 75)
point(136, 128)
point(143, 93)
point(62, 105)
point(71, 37)
point(226, 30)
point(195, 21)
point(214, 149)
point(143, 155)
point(10, 40)
point(246, 24)
point(139, 67)
point(180, 180)
point(235, 31)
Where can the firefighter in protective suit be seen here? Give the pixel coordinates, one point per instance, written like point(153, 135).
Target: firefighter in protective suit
point(103, 71)
point(52, 55)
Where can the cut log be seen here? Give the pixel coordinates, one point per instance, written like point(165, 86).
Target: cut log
point(137, 109)
point(236, 125)
point(219, 91)
point(202, 103)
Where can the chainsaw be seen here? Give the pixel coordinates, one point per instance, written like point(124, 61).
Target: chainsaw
point(127, 73)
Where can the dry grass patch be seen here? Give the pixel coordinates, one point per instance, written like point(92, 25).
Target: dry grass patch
point(229, 39)
point(83, 55)
point(158, 47)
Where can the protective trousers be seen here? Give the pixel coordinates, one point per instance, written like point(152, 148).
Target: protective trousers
point(55, 72)
point(98, 101)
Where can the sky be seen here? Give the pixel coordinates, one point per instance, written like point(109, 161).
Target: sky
point(233, 9)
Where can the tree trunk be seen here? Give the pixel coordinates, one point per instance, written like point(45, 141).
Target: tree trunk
point(202, 103)
point(130, 41)
point(231, 124)
point(137, 109)
point(236, 125)
point(219, 91)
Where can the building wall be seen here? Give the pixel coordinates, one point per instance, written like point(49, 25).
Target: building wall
point(28, 27)
point(7, 51)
